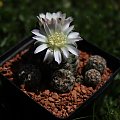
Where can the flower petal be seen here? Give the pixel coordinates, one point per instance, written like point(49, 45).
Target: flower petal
point(69, 29)
point(65, 52)
point(40, 48)
point(40, 21)
point(41, 18)
point(57, 56)
point(63, 16)
point(58, 26)
point(40, 39)
point(47, 29)
point(73, 50)
point(73, 35)
point(66, 23)
point(36, 32)
point(42, 15)
point(73, 40)
point(54, 16)
point(48, 16)
point(57, 15)
point(51, 25)
point(48, 56)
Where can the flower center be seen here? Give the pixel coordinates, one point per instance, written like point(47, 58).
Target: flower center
point(57, 39)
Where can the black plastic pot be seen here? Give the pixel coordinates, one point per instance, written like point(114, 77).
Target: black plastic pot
point(17, 105)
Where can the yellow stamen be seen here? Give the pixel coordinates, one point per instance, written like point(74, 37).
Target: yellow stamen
point(57, 39)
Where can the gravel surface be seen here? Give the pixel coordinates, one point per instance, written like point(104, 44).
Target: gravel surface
point(61, 105)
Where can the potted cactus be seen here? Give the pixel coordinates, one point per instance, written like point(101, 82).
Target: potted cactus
point(54, 71)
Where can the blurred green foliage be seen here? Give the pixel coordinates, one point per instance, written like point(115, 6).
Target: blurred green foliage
point(97, 21)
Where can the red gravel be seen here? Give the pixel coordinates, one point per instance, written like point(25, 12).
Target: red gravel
point(61, 105)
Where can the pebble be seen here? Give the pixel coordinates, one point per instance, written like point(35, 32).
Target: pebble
point(55, 110)
point(46, 92)
point(51, 99)
point(55, 96)
point(83, 91)
point(74, 95)
point(42, 102)
point(68, 108)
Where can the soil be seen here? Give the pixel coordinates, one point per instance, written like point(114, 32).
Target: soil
point(59, 104)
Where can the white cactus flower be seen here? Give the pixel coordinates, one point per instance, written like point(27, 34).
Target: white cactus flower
point(57, 36)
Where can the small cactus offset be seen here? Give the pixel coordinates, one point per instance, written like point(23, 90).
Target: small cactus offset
point(79, 78)
point(96, 62)
point(63, 80)
point(30, 75)
point(71, 63)
point(92, 77)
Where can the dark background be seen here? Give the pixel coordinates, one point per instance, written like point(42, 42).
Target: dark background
point(97, 22)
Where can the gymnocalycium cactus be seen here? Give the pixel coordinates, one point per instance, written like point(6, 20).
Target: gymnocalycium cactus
point(96, 62)
point(63, 80)
point(71, 63)
point(92, 77)
point(56, 38)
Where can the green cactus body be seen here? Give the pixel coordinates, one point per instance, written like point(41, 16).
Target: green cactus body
point(30, 75)
point(96, 62)
point(71, 63)
point(92, 77)
point(63, 80)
